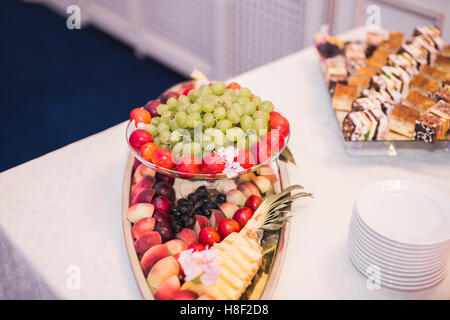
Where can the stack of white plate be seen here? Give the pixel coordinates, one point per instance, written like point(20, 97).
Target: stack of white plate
point(399, 234)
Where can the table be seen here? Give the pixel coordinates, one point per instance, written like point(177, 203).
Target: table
point(60, 215)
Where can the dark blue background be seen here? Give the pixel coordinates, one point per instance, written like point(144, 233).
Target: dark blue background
point(60, 85)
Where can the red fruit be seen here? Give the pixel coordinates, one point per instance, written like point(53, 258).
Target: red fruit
point(186, 91)
point(161, 217)
point(281, 124)
point(162, 204)
point(165, 189)
point(136, 163)
point(212, 164)
point(228, 226)
point(261, 151)
point(167, 95)
point(274, 115)
point(275, 140)
point(189, 165)
point(197, 246)
point(234, 86)
point(185, 295)
point(139, 137)
point(242, 215)
point(165, 231)
point(152, 106)
point(142, 226)
point(253, 202)
point(140, 115)
point(146, 241)
point(245, 158)
point(209, 236)
point(164, 177)
point(147, 150)
point(163, 158)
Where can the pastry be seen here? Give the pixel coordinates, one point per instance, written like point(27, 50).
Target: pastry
point(381, 95)
point(419, 101)
point(366, 72)
point(432, 32)
point(366, 103)
point(396, 37)
point(423, 84)
point(375, 63)
point(343, 97)
point(426, 44)
point(392, 46)
point(443, 94)
point(403, 119)
point(359, 82)
point(416, 52)
point(405, 62)
point(434, 74)
point(356, 126)
point(442, 109)
point(394, 136)
point(355, 56)
point(442, 63)
point(429, 128)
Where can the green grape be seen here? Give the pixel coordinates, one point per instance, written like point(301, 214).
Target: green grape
point(181, 118)
point(193, 119)
point(157, 141)
point(242, 100)
point(266, 106)
point(251, 138)
point(261, 126)
point(193, 95)
point(164, 136)
point(238, 108)
point(249, 108)
point(247, 123)
point(177, 150)
point(230, 92)
point(183, 100)
point(172, 102)
point(209, 120)
point(173, 125)
point(235, 134)
point(224, 124)
point(175, 137)
point(209, 132)
point(220, 113)
point(261, 115)
point(233, 116)
point(195, 107)
point(226, 101)
point(245, 92)
point(191, 149)
point(163, 126)
point(256, 100)
point(152, 129)
point(166, 116)
point(182, 107)
point(218, 88)
point(205, 90)
point(155, 121)
point(208, 103)
point(162, 108)
point(217, 137)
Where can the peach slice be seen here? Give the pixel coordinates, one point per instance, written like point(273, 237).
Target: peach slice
point(142, 171)
point(168, 288)
point(146, 241)
point(145, 183)
point(142, 226)
point(262, 183)
point(248, 189)
point(185, 295)
point(161, 271)
point(140, 211)
point(189, 236)
point(200, 223)
point(268, 172)
point(145, 196)
point(229, 208)
point(236, 196)
point(153, 255)
point(175, 246)
point(246, 177)
point(216, 217)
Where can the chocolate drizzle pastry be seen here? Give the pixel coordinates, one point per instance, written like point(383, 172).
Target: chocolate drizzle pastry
point(429, 128)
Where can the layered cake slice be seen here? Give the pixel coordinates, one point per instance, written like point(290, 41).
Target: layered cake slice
point(405, 62)
point(429, 128)
point(396, 36)
point(356, 126)
point(419, 101)
point(442, 109)
point(366, 72)
point(442, 63)
point(434, 74)
point(403, 119)
point(423, 84)
point(343, 97)
point(360, 83)
point(355, 56)
point(389, 45)
point(443, 94)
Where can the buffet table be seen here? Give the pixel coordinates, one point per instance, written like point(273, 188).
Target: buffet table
point(60, 215)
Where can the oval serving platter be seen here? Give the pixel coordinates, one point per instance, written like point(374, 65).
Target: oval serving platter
point(274, 243)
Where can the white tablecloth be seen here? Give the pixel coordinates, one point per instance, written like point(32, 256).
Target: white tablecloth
point(60, 213)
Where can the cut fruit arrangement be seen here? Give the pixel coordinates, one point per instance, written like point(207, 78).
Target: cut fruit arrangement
point(205, 244)
point(207, 130)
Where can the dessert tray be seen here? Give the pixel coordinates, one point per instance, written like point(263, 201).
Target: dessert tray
point(389, 92)
point(206, 218)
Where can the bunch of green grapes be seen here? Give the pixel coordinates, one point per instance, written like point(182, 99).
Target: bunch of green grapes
point(209, 118)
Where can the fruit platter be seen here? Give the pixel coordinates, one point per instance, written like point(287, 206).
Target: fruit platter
point(193, 229)
point(389, 87)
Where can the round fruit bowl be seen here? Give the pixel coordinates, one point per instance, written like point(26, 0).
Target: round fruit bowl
point(258, 155)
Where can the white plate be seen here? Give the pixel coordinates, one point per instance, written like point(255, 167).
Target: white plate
point(392, 285)
point(395, 254)
point(394, 269)
point(408, 212)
